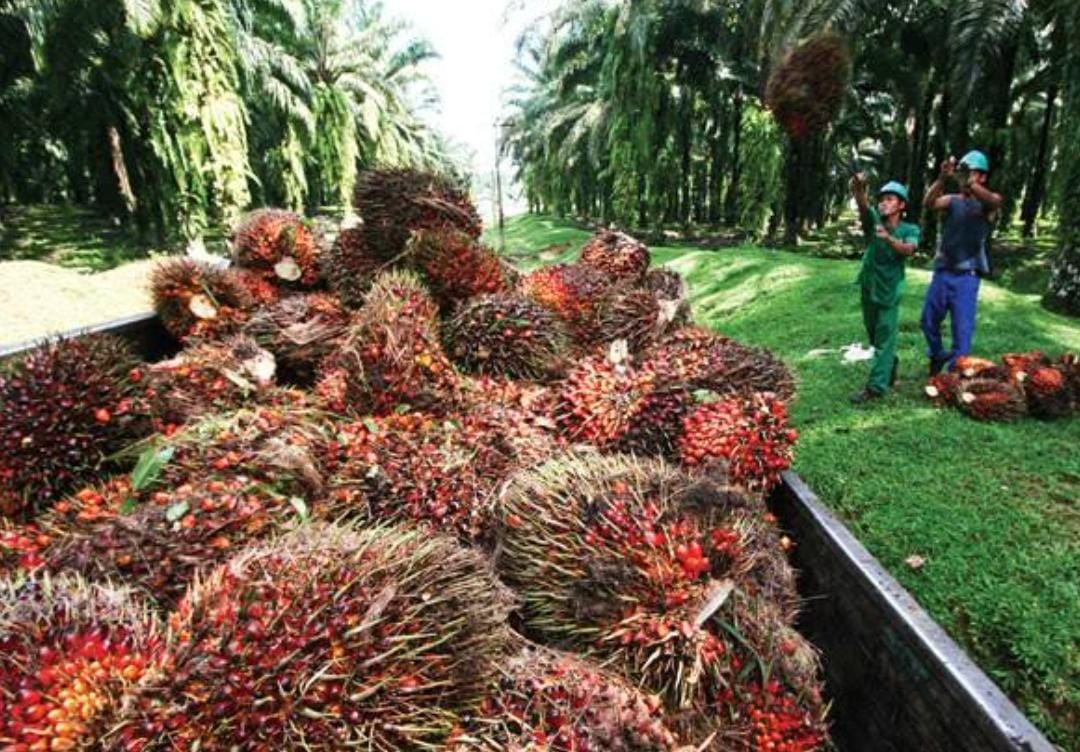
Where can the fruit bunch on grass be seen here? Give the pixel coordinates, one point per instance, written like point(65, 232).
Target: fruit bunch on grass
point(575, 293)
point(349, 267)
point(391, 354)
point(455, 266)
point(617, 255)
point(207, 378)
point(278, 246)
point(506, 335)
point(806, 89)
point(749, 435)
point(974, 367)
point(328, 638)
point(990, 399)
point(547, 700)
point(942, 389)
point(195, 300)
point(394, 203)
point(299, 331)
point(1069, 363)
point(1048, 392)
point(64, 406)
point(1020, 365)
point(600, 401)
point(69, 652)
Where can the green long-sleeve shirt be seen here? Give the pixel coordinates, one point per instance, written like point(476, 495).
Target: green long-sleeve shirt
point(882, 270)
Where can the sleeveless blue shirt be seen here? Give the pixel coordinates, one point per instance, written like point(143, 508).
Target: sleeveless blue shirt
point(963, 237)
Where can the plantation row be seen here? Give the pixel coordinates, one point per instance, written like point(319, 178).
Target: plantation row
point(394, 494)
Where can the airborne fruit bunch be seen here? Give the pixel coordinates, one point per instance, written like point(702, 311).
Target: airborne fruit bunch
point(195, 300)
point(349, 267)
point(1048, 393)
point(575, 293)
point(990, 399)
point(507, 335)
point(277, 245)
point(64, 406)
point(391, 355)
point(455, 266)
point(806, 89)
point(617, 255)
point(299, 331)
point(326, 639)
point(69, 652)
point(600, 401)
point(749, 434)
point(394, 203)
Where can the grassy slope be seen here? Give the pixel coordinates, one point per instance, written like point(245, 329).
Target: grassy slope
point(994, 509)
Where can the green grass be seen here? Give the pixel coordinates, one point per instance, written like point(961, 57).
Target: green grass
point(994, 509)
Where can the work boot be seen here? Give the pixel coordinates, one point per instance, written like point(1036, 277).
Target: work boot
point(865, 396)
point(937, 363)
point(895, 371)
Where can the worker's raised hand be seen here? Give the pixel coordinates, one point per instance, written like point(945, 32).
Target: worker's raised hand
point(948, 167)
point(858, 185)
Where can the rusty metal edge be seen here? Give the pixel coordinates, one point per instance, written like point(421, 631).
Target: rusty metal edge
point(999, 715)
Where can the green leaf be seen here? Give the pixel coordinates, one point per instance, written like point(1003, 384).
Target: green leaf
point(149, 467)
point(370, 424)
point(129, 505)
point(176, 511)
point(300, 506)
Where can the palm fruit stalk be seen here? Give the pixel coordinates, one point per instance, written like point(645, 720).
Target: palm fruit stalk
point(506, 335)
point(195, 300)
point(455, 266)
point(617, 255)
point(391, 354)
point(207, 378)
point(350, 268)
point(990, 399)
point(278, 246)
point(749, 434)
point(555, 701)
point(64, 407)
point(1048, 392)
point(575, 293)
point(636, 316)
point(299, 332)
point(806, 89)
point(607, 559)
point(328, 638)
point(942, 389)
point(394, 203)
point(69, 654)
point(599, 401)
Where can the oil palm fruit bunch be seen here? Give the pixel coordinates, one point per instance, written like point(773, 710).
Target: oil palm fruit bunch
point(195, 300)
point(278, 246)
point(972, 367)
point(617, 255)
point(574, 292)
point(64, 406)
point(394, 203)
point(990, 399)
point(750, 434)
point(327, 638)
point(1020, 365)
point(299, 331)
point(21, 549)
point(634, 315)
point(455, 266)
point(261, 291)
point(1069, 363)
point(207, 378)
point(772, 716)
point(806, 89)
point(163, 537)
point(607, 557)
point(523, 408)
point(600, 400)
point(547, 700)
point(665, 284)
point(507, 335)
point(349, 267)
point(942, 389)
point(1049, 394)
point(391, 354)
point(69, 653)
point(657, 424)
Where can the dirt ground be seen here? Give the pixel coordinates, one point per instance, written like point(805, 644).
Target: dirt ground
point(39, 299)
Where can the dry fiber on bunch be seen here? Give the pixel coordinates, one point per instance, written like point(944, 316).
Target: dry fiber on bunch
point(277, 245)
point(196, 300)
point(299, 331)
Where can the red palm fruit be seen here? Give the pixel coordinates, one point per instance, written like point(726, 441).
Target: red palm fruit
point(1069, 364)
point(196, 300)
point(970, 367)
point(616, 254)
point(64, 406)
point(657, 425)
point(990, 399)
point(750, 434)
point(349, 267)
point(772, 716)
point(1020, 365)
point(299, 331)
point(396, 202)
point(1048, 393)
point(806, 89)
point(277, 245)
point(21, 548)
point(455, 266)
point(600, 401)
point(327, 638)
point(69, 655)
point(262, 291)
point(942, 389)
point(575, 293)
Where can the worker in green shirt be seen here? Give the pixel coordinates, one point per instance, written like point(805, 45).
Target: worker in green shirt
point(881, 277)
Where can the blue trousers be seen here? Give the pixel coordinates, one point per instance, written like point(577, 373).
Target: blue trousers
point(955, 295)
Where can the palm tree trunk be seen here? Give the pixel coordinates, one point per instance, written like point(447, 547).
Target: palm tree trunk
point(731, 201)
point(1036, 187)
point(123, 182)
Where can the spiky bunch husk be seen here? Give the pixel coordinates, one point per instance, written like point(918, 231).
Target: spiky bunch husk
point(394, 203)
point(391, 354)
point(599, 401)
point(299, 331)
point(806, 89)
point(455, 266)
point(195, 300)
point(657, 424)
point(350, 268)
point(750, 434)
point(207, 378)
point(666, 284)
point(547, 700)
point(69, 653)
point(523, 407)
point(1049, 394)
point(636, 316)
point(620, 558)
point(575, 293)
point(277, 245)
point(942, 389)
point(160, 542)
point(262, 291)
point(64, 406)
point(506, 335)
point(616, 254)
point(21, 549)
point(990, 399)
point(973, 367)
point(328, 638)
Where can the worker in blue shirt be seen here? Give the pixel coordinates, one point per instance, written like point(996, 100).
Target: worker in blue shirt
point(961, 257)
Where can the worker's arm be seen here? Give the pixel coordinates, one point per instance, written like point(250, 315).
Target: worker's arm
point(866, 216)
point(935, 197)
point(989, 199)
point(902, 247)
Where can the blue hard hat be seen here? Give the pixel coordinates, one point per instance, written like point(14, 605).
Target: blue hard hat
point(895, 188)
point(976, 160)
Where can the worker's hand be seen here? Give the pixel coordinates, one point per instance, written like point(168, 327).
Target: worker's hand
point(882, 233)
point(948, 167)
point(858, 183)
